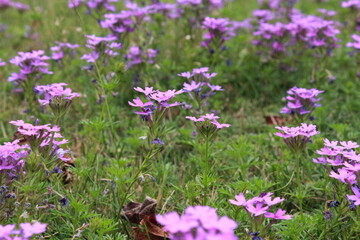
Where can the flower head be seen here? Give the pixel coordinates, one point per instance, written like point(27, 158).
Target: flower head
point(199, 222)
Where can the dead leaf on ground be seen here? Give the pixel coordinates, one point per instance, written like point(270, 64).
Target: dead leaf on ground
point(143, 214)
point(275, 120)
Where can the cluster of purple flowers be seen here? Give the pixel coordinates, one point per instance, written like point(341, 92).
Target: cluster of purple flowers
point(195, 3)
point(351, 3)
point(345, 164)
point(127, 20)
point(12, 156)
point(356, 44)
point(198, 222)
point(32, 65)
point(260, 205)
point(204, 122)
point(296, 138)
point(26, 231)
point(308, 31)
point(219, 30)
point(301, 101)
point(57, 97)
point(327, 13)
point(198, 86)
point(94, 4)
point(101, 46)
point(44, 139)
point(137, 56)
point(157, 102)
point(58, 51)
point(4, 4)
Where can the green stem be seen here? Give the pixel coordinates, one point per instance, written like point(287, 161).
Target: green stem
point(298, 179)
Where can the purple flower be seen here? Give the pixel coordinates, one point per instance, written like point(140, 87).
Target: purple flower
point(93, 4)
point(240, 200)
point(219, 31)
point(351, 3)
point(344, 176)
point(101, 47)
point(327, 13)
point(260, 205)
point(356, 44)
point(32, 65)
point(199, 222)
point(28, 229)
point(10, 4)
point(147, 91)
point(157, 101)
point(136, 56)
point(55, 94)
point(12, 156)
point(278, 215)
point(138, 103)
point(301, 101)
point(43, 138)
point(206, 119)
point(296, 138)
point(58, 51)
point(356, 196)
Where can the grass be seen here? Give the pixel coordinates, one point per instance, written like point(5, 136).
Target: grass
point(105, 138)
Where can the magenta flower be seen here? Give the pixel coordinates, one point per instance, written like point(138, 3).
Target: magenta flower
point(207, 125)
point(32, 65)
point(194, 119)
point(296, 138)
point(199, 222)
point(43, 138)
point(147, 91)
point(158, 102)
point(240, 200)
point(101, 47)
point(219, 31)
point(278, 215)
point(356, 196)
point(191, 87)
point(94, 4)
point(198, 86)
point(26, 231)
point(4, 4)
point(12, 157)
point(55, 94)
point(138, 103)
point(344, 176)
point(137, 56)
point(351, 3)
point(301, 101)
point(258, 206)
point(220, 125)
point(58, 51)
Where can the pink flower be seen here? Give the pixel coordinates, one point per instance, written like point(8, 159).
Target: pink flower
point(146, 91)
point(28, 230)
point(219, 126)
point(194, 119)
point(344, 176)
point(240, 200)
point(356, 196)
point(278, 215)
point(258, 209)
point(138, 103)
